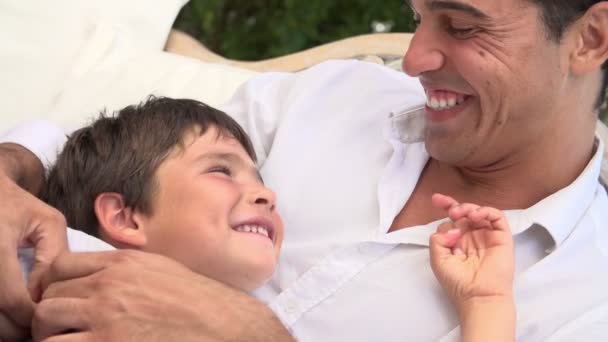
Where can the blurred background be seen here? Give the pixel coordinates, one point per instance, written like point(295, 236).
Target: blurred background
point(261, 29)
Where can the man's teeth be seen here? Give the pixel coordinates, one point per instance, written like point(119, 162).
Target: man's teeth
point(253, 229)
point(443, 103)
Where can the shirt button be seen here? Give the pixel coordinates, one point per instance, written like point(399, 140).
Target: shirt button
point(291, 306)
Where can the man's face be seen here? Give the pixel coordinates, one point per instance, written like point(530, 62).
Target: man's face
point(212, 212)
point(493, 80)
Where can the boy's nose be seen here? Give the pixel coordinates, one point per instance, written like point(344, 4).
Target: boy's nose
point(263, 196)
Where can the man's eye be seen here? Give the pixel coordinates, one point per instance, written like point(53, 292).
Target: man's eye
point(460, 32)
point(416, 20)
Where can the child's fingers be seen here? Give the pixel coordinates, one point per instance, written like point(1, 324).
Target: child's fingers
point(447, 238)
point(461, 210)
point(441, 243)
point(442, 201)
point(493, 216)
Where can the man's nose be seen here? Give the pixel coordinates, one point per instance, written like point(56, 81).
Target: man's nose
point(423, 54)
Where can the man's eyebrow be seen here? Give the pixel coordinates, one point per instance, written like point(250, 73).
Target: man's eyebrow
point(457, 6)
point(452, 5)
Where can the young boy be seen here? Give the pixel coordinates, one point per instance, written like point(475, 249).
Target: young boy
point(173, 177)
point(179, 178)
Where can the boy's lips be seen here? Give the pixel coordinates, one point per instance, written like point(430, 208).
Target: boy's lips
point(258, 225)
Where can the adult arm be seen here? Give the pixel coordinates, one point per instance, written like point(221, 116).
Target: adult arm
point(24, 222)
point(22, 167)
point(134, 296)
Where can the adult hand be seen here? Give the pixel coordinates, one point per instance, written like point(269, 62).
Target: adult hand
point(134, 296)
point(25, 221)
point(472, 256)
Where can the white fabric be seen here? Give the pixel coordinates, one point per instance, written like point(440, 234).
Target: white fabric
point(41, 137)
point(343, 169)
point(344, 159)
point(131, 77)
point(68, 59)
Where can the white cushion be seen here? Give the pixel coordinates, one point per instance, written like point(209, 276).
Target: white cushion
point(129, 78)
point(67, 59)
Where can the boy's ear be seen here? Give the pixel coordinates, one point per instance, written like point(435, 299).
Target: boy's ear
point(117, 222)
point(592, 40)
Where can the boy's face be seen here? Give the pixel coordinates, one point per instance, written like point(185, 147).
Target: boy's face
point(212, 212)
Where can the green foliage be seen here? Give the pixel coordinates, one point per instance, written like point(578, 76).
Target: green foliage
point(260, 29)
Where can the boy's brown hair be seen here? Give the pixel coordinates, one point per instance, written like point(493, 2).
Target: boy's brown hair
point(121, 153)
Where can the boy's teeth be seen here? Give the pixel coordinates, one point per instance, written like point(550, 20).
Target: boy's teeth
point(253, 229)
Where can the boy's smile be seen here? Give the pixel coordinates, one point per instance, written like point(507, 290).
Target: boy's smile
point(213, 213)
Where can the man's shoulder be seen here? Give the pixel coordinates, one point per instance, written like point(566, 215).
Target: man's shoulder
point(359, 70)
point(338, 75)
point(598, 218)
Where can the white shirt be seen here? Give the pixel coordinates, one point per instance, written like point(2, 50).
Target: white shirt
point(343, 159)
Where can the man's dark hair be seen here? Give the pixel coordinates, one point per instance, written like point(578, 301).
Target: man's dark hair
point(558, 15)
point(121, 153)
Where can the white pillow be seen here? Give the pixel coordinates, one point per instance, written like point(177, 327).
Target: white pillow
point(129, 77)
point(42, 41)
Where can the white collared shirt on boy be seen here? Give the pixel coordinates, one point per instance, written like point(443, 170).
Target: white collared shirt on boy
point(338, 145)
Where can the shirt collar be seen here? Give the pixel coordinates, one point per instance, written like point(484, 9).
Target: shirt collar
point(407, 125)
point(558, 213)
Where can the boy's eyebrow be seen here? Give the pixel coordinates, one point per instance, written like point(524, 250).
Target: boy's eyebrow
point(453, 5)
point(233, 159)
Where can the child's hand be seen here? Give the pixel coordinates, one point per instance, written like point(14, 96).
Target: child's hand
point(472, 256)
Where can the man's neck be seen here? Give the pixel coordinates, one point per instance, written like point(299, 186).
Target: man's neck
point(519, 181)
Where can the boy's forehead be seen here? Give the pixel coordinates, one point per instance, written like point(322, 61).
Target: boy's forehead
point(193, 144)
point(213, 138)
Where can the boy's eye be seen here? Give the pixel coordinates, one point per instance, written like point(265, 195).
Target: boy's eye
point(221, 169)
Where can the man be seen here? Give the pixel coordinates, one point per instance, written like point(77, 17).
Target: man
point(512, 90)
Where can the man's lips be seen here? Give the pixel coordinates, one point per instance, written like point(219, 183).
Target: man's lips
point(444, 111)
point(443, 104)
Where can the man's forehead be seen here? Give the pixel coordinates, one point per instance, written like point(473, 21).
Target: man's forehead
point(477, 8)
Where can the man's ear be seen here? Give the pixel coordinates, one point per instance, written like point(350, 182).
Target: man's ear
point(592, 40)
point(118, 223)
